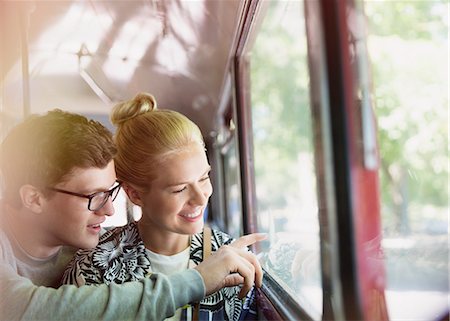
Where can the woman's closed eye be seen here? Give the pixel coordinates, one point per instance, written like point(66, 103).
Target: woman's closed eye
point(180, 190)
point(201, 180)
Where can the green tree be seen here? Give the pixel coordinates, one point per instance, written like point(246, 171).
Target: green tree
point(280, 106)
point(408, 47)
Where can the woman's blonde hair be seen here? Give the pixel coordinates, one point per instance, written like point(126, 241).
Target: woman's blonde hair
point(145, 135)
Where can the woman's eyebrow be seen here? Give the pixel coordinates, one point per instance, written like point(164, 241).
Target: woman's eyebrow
point(182, 183)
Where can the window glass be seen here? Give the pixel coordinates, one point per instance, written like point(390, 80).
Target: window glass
point(233, 204)
point(285, 177)
point(120, 211)
point(408, 47)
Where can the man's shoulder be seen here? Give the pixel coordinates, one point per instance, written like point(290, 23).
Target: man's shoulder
point(6, 252)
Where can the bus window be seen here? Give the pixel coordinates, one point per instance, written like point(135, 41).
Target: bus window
point(120, 216)
point(408, 47)
point(233, 205)
point(285, 178)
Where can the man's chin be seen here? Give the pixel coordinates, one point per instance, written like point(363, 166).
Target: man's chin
point(87, 244)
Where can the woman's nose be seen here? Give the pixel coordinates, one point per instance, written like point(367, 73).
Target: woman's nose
point(199, 196)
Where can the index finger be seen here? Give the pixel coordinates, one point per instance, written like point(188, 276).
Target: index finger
point(248, 240)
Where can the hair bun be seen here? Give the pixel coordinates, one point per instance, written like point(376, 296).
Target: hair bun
point(126, 110)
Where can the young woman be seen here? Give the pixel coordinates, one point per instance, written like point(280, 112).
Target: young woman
point(162, 164)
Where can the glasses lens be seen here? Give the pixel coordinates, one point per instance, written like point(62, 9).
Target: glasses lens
point(98, 201)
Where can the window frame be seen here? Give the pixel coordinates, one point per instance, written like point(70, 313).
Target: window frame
point(347, 280)
point(232, 139)
point(272, 293)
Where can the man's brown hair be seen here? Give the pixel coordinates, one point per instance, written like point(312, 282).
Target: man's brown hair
point(43, 150)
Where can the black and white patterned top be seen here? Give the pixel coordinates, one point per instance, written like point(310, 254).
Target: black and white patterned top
point(121, 257)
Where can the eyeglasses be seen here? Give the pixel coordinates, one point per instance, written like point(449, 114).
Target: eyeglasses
point(96, 200)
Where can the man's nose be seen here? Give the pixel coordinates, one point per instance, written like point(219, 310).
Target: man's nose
point(107, 209)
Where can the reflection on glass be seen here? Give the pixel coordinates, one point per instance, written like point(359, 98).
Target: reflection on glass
point(408, 46)
point(285, 177)
point(232, 190)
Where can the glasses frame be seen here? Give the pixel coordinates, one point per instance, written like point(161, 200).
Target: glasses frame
point(109, 192)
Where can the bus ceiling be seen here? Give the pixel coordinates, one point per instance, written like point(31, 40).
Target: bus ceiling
point(84, 56)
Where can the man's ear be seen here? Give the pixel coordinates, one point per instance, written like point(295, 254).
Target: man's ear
point(133, 194)
point(32, 198)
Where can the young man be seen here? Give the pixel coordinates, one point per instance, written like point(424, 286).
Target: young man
point(59, 184)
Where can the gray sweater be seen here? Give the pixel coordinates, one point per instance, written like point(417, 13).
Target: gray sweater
point(28, 291)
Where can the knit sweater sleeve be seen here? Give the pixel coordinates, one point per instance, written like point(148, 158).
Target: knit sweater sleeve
point(153, 298)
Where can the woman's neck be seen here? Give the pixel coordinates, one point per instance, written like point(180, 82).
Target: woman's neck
point(162, 241)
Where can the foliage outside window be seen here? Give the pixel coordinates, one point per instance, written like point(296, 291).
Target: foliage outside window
point(408, 47)
point(285, 177)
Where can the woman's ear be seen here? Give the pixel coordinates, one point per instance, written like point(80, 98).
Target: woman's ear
point(133, 194)
point(32, 198)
